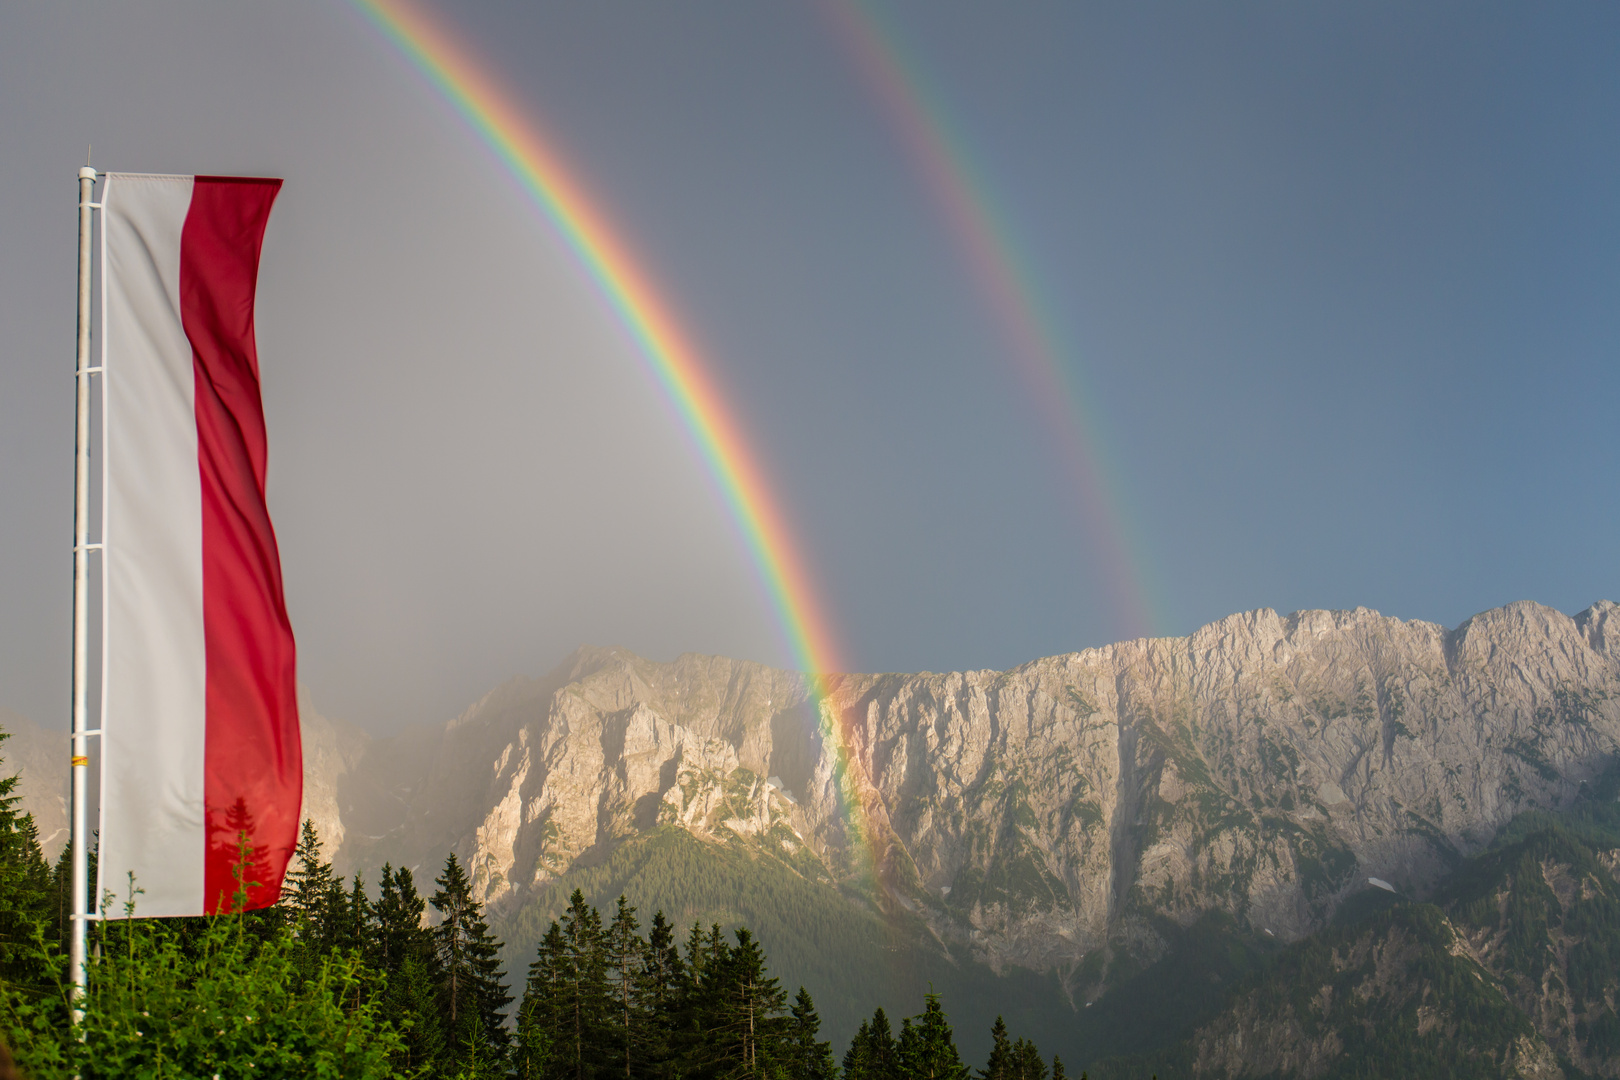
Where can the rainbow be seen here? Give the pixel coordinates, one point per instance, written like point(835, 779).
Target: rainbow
point(980, 229)
point(533, 161)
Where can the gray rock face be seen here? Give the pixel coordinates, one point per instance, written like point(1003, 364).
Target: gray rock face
point(1040, 816)
point(1261, 766)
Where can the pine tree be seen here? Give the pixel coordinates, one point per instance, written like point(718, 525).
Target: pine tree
point(62, 891)
point(402, 949)
point(1000, 1065)
point(927, 1049)
point(307, 882)
point(623, 957)
point(398, 914)
point(805, 1057)
point(540, 1028)
point(660, 993)
point(585, 1001)
point(28, 902)
point(410, 1001)
point(873, 1054)
point(749, 1029)
point(356, 926)
point(857, 1059)
point(1026, 1061)
point(662, 971)
point(472, 994)
point(1057, 1069)
point(701, 1011)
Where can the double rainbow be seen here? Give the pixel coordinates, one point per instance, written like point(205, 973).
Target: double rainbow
point(517, 141)
point(1004, 277)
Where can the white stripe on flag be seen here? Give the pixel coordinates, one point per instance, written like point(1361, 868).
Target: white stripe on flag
point(153, 737)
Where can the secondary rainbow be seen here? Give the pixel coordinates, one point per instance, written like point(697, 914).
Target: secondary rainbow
point(981, 231)
point(517, 141)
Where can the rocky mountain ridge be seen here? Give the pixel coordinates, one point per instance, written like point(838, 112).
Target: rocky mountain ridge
point(1048, 816)
point(1063, 816)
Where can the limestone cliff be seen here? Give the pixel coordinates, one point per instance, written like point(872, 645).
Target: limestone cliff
point(1051, 816)
point(1046, 816)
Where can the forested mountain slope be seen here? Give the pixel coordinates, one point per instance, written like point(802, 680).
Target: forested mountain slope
point(1512, 969)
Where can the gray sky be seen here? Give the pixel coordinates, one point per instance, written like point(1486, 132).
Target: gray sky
point(1341, 284)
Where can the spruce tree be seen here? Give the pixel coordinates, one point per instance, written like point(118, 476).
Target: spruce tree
point(857, 1059)
point(62, 891)
point(662, 971)
point(749, 1030)
point(1000, 1064)
point(874, 1053)
point(402, 949)
point(1057, 1069)
point(623, 957)
point(804, 1056)
point(410, 1002)
point(927, 1049)
point(398, 915)
point(472, 995)
point(660, 993)
point(698, 1006)
point(356, 926)
point(1026, 1061)
point(585, 1002)
point(28, 902)
point(541, 1033)
point(885, 1051)
point(307, 882)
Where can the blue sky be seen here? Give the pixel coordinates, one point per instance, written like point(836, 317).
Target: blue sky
point(1341, 282)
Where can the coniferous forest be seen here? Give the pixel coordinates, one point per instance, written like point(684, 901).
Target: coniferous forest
point(404, 980)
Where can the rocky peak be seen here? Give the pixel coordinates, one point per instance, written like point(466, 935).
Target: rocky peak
point(1046, 816)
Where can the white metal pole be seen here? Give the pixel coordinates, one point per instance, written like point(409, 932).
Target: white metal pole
point(81, 599)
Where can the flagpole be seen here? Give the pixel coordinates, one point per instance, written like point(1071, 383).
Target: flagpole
point(81, 601)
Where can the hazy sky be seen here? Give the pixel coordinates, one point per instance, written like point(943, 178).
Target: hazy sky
point(1340, 285)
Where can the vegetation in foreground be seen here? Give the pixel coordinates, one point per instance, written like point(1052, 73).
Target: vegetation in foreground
point(333, 983)
point(1510, 971)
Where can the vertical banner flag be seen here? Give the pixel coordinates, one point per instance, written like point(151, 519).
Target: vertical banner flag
point(200, 738)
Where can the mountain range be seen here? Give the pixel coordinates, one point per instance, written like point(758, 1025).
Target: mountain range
point(1194, 824)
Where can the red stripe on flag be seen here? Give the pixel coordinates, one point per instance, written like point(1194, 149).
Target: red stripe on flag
point(253, 781)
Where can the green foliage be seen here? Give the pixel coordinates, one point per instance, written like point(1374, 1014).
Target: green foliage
point(927, 1048)
point(563, 1021)
point(29, 898)
point(330, 984)
point(805, 1056)
point(1000, 1064)
point(472, 995)
point(402, 949)
point(811, 929)
point(604, 1002)
point(873, 1053)
point(226, 1003)
point(1026, 1061)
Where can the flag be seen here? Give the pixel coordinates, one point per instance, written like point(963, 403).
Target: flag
point(200, 738)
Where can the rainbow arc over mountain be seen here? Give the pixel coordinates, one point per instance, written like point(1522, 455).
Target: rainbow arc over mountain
point(952, 175)
point(517, 140)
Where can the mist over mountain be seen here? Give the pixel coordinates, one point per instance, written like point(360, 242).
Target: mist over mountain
point(1036, 841)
